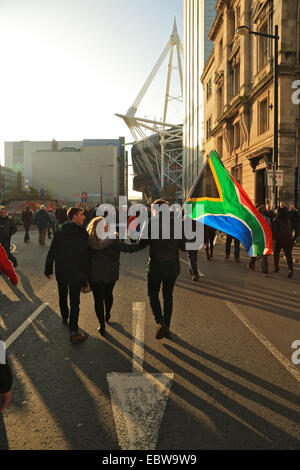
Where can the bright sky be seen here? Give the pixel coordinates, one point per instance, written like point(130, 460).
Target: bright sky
point(67, 66)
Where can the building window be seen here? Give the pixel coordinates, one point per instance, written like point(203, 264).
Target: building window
point(220, 51)
point(236, 172)
point(208, 89)
point(237, 17)
point(235, 78)
point(263, 47)
point(220, 100)
point(208, 128)
point(236, 135)
point(263, 116)
point(220, 146)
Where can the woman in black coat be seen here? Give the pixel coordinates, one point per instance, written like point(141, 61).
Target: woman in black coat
point(104, 259)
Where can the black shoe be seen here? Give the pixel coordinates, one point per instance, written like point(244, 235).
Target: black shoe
point(107, 317)
point(101, 330)
point(160, 332)
point(167, 332)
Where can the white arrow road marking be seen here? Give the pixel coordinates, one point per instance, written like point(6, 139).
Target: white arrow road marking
point(24, 325)
point(138, 399)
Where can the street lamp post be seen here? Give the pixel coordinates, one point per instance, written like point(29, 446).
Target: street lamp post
point(102, 166)
point(243, 31)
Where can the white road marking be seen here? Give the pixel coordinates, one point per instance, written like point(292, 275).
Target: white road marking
point(2, 353)
point(271, 348)
point(24, 325)
point(138, 399)
point(138, 320)
point(186, 262)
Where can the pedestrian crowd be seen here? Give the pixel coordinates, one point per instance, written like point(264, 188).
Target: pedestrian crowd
point(86, 258)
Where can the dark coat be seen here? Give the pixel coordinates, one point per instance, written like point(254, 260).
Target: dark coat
point(163, 259)
point(69, 251)
point(7, 228)
point(104, 258)
point(282, 228)
point(41, 219)
point(27, 217)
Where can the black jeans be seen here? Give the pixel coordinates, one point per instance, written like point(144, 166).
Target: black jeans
point(229, 239)
point(264, 263)
point(26, 236)
point(154, 284)
point(74, 291)
point(103, 296)
point(192, 257)
point(287, 249)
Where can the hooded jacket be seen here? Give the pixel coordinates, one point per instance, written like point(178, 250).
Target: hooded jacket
point(69, 252)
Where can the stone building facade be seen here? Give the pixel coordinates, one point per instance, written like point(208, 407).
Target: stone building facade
point(239, 99)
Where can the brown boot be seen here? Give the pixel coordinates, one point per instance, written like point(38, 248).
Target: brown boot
point(78, 338)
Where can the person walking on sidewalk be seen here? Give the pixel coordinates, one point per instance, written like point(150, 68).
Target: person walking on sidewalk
point(27, 220)
point(6, 378)
point(7, 229)
point(52, 223)
point(42, 220)
point(282, 234)
point(69, 252)
point(104, 258)
point(237, 243)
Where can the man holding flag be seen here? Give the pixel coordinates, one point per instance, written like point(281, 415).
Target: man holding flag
point(219, 201)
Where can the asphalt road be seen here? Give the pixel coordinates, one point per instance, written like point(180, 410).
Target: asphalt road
point(233, 385)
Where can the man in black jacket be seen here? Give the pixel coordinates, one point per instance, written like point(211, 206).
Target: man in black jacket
point(282, 236)
point(69, 251)
point(7, 229)
point(163, 267)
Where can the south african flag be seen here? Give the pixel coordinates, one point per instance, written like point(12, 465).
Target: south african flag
point(220, 202)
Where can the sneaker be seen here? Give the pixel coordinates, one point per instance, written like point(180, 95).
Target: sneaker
point(196, 277)
point(160, 333)
point(78, 338)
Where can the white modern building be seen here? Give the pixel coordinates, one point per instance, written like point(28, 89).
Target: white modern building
point(198, 17)
point(68, 168)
